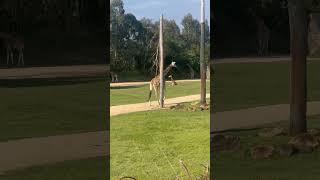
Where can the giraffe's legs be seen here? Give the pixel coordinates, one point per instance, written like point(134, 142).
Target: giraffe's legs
point(263, 46)
point(116, 78)
point(112, 78)
point(22, 59)
point(19, 59)
point(8, 57)
point(156, 93)
point(150, 92)
point(164, 96)
point(12, 57)
point(260, 47)
point(267, 47)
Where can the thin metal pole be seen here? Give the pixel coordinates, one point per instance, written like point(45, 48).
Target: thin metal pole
point(161, 63)
point(202, 61)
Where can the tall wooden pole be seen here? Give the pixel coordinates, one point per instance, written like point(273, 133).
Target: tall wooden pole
point(202, 61)
point(299, 49)
point(161, 63)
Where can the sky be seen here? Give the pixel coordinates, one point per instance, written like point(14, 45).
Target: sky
point(171, 9)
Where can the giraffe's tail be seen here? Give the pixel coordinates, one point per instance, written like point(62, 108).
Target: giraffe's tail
point(150, 92)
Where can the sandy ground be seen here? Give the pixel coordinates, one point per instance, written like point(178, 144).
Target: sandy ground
point(53, 72)
point(253, 117)
point(130, 108)
point(24, 153)
point(126, 84)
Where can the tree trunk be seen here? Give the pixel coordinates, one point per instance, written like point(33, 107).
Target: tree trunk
point(299, 48)
point(162, 82)
point(203, 65)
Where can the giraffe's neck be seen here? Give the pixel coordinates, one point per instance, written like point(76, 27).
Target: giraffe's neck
point(165, 72)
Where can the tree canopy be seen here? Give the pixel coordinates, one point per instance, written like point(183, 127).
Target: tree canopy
point(134, 43)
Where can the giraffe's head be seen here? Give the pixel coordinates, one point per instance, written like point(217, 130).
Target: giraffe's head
point(173, 64)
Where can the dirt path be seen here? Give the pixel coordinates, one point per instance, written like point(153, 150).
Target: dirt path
point(130, 108)
point(29, 152)
point(126, 84)
point(53, 72)
point(253, 117)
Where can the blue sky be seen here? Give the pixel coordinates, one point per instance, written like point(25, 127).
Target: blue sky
point(171, 9)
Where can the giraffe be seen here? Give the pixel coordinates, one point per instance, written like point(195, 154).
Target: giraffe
point(263, 36)
point(173, 82)
point(13, 44)
point(8, 47)
point(114, 76)
point(155, 82)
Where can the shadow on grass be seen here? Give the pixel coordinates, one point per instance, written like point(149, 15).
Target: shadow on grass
point(126, 87)
point(237, 130)
point(38, 82)
point(83, 169)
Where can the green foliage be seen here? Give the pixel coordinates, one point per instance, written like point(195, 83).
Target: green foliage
point(134, 43)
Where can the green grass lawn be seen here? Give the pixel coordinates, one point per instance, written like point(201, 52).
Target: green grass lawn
point(149, 145)
point(243, 85)
point(34, 108)
point(146, 145)
point(88, 169)
point(139, 94)
point(240, 166)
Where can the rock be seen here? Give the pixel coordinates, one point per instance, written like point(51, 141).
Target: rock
point(222, 142)
point(262, 152)
point(196, 103)
point(204, 107)
point(272, 132)
point(285, 150)
point(192, 108)
point(304, 142)
point(177, 106)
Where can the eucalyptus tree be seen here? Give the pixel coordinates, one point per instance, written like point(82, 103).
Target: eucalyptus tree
point(298, 19)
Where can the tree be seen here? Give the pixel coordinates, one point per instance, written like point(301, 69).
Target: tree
point(191, 30)
point(117, 35)
point(299, 48)
point(134, 43)
point(151, 43)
